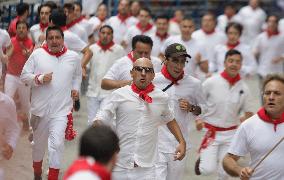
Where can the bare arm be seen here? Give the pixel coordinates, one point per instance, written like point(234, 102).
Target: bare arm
point(87, 55)
point(246, 116)
point(109, 84)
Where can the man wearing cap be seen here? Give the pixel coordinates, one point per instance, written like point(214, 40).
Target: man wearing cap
point(186, 98)
point(227, 96)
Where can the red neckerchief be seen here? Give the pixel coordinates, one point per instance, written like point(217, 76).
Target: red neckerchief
point(270, 33)
point(208, 32)
point(144, 92)
point(105, 47)
point(43, 26)
point(69, 25)
point(123, 18)
point(162, 37)
point(130, 56)
point(231, 80)
point(174, 20)
point(143, 30)
point(82, 164)
point(63, 28)
point(232, 46)
point(167, 75)
point(45, 47)
point(265, 117)
point(21, 39)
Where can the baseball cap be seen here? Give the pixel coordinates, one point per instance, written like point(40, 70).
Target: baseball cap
point(176, 50)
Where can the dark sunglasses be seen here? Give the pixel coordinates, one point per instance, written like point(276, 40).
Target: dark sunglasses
point(146, 69)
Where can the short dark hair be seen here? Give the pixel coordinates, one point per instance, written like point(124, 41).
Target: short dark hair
point(235, 25)
point(99, 142)
point(232, 52)
point(78, 4)
point(58, 17)
point(43, 5)
point(69, 6)
point(21, 8)
point(162, 16)
point(272, 77)
point(106, 26)
point(146, 9)
point(22, 22)
point(54, 28)
point(52, 4)
point(275, 15)
point(141, 38)
point(210, 13)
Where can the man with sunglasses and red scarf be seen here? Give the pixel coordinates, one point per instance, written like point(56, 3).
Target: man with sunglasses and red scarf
point(227, 96)
point(187, 100)
point(139, 109)
point(259, 134)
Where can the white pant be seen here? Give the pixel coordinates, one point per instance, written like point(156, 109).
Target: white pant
point(138, 173)
point(93, 105)
point(13, 84)
point(168, 169)
point(211, 158)
point(51, 132)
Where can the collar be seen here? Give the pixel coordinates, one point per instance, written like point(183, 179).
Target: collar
point(232, 46)
point(105, 47)
point(162, 37)
point(230, 80)
point(101, 171)
point(168, 76)
point(130, 56)
point(43, 26)
point(123, 18)
point(270, 33)
point(45, 47)
point(174, 20)
point(208, 32)
point(144, 29)
point(265, 117)
point(143, 93)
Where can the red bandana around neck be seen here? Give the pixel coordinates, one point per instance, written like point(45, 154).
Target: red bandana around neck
point(123, 18)
point(232, 46)
point(45, 47)
point(21, 39)
point(130, 56)
point(167, 75)
point(270, 33)
point(174, 20)
point(63, 28)
point(231, 80)
point(208, 32)
point(162, 37)
point(265, 117)
point(105, 47)
point(143, 94)
point(43, 26)
point(69, 25)
point(144, 29)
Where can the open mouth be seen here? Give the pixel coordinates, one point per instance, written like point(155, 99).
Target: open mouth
point(142, 80)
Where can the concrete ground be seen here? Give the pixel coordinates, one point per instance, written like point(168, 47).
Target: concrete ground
point(20, 166)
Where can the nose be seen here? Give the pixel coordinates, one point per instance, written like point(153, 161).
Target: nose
point(143, 72)
point(271, 96)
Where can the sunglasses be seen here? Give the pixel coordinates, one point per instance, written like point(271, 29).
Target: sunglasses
point(146, 69)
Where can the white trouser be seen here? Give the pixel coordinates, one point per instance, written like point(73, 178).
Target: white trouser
point(93, 105)
point(168, 169)
point(13, 84)
point(211, 158)
point(51, 132)
point(137, 173)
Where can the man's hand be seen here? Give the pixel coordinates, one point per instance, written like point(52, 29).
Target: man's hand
point(7, 151)
point(277, 60)
point(199, 124)
point(246, 173)
point(5, 59)
point(184, 104)
point(180, 151)
point(47, 78)
point(75, 94)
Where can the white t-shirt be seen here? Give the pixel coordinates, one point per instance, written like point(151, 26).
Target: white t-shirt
point(90, 6)
point(80, 31)
point(73, 41)
point(36, 32)
point(87, 26)
point(99, 65)
point(225, 103)
point(174, 28)
point(188, 88)
point(256, 137)
point(222, 22)
point(137, 124)
point(53, 99)
point(157, 43)
point(96, 22)
point(4, 42)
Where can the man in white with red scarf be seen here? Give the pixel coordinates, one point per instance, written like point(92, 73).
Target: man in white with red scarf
point(227, 96)
point(259, 134)
point(55, 76)
point(106, 53)
point(187, 99)
point(9, 129)
point(139, 109)
point(99, 146)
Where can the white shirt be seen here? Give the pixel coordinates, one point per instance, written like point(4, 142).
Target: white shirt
point(80, 31)
point(188, 88)
point(174, 28)
point(87, 26)
point(5, 42)
point(120, 70)
point(209, 41)
point(252, 21)
point(225, 103)
point(120, 28)
point(36, 32)
point(268, 49)
point(53, 99)
point(256, 137)
point(96, 22)
point(193, 48)
point(157, 43)
point(73, 41)
point(9, 127)
point(222, 22)
point(249, 64)
point(281, 25)
point(136, 124)
point(99, 65)
point(90, 6)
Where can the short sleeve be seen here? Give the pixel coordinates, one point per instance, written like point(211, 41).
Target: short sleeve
point(239, 145)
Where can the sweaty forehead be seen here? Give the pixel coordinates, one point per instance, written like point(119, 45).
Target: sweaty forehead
point(144, 62)
point(274, 85)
